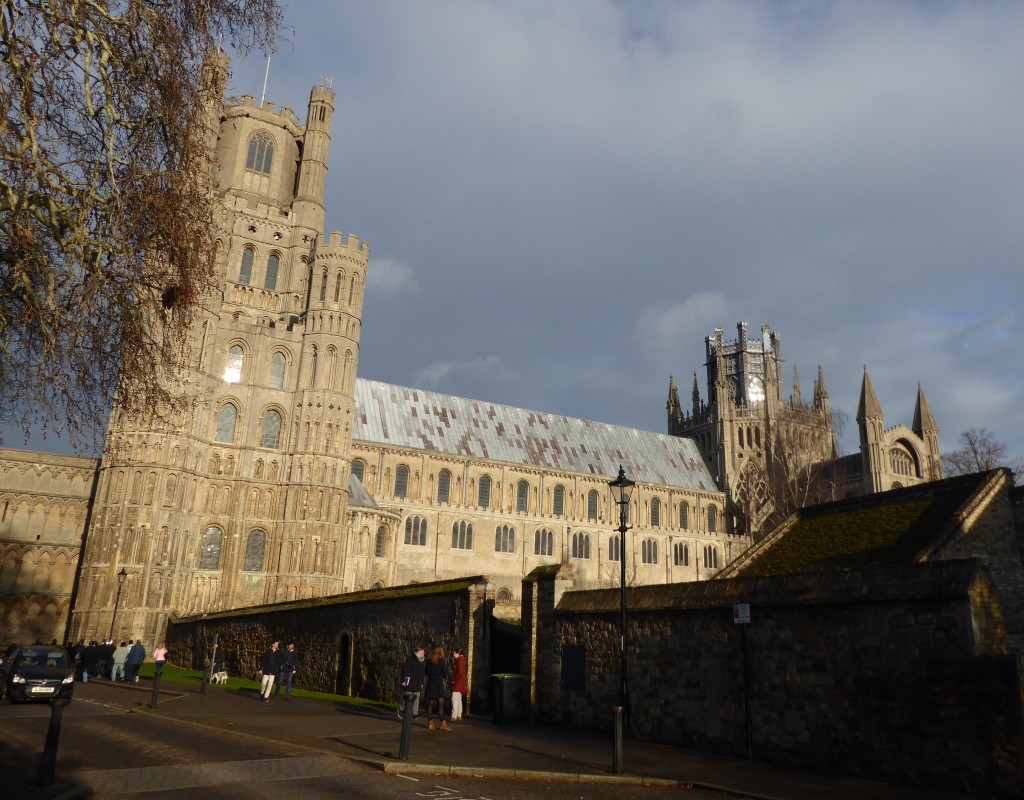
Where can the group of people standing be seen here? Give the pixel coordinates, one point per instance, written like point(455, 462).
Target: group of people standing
point(107, 660)
point(278, 667)
point(430, 677)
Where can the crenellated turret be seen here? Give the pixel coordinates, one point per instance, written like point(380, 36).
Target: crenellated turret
point(316, 147)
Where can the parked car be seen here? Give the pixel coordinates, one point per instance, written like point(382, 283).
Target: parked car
point(36, 673)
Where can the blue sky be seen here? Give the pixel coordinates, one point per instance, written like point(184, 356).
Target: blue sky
point(564, 198)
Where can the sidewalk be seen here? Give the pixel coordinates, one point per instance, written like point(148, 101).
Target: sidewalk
point(476, 746)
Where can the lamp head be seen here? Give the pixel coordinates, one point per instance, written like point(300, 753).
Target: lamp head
point(622, 488)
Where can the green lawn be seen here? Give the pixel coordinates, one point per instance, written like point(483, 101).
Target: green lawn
point(193, 677)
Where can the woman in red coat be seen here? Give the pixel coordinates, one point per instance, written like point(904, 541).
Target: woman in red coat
point(459, 684)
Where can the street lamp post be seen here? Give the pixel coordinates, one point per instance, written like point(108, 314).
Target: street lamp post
point(121, 576)
point(622, 489)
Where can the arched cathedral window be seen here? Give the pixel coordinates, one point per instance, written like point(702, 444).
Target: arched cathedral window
point(209, 549)
point(401, 481)
point(543, 542)
point(462, 535)
point(273, 264)
point(522, 496)
point(260, 157)
point(254, 549)
point(278, 363)
point(226, 419)
point(233, 367)
point(558, 501)
point(245, 270)
point(271, 434)
point(444, 484)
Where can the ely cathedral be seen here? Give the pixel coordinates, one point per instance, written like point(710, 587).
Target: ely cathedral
point(296, 479)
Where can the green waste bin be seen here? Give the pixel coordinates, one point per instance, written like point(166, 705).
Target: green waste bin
point(510, 701)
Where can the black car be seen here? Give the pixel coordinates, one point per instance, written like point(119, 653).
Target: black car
point(37, 672)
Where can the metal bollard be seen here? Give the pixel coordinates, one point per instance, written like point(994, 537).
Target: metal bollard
point(403, 745)
point(48, 763)
point(156, 689)
point(617, 749)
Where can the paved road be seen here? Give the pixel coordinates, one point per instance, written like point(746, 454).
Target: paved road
point(118, 750)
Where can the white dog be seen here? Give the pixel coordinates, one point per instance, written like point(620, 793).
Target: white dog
point(219, 677)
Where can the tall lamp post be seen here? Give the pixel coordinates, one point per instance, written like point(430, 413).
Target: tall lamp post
point(621, 488)
point(121, 576)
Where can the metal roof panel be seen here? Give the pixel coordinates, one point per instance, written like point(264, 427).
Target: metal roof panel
point(398, 416)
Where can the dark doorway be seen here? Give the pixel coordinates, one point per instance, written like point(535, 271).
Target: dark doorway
point(506, 640)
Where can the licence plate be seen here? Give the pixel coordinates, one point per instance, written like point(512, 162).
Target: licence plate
point(42, 690)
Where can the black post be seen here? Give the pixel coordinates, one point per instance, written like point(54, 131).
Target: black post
point(208, 668)
point(403, 745)
point(746, 692)
point(156, 688)
point(621, 489)
point(48, 763)
point(623, 681)
point(117, 601)
point(617, 750)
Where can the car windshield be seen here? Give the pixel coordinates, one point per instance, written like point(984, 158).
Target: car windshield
point(40, 657)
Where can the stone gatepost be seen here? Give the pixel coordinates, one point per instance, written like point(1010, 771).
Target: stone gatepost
point(542, 589)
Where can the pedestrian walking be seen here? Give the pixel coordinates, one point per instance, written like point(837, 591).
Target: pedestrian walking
point(160, 658)
point(120, 654)
point(412, 681)
point(289, 666)
point(269, 667)
point(90, 658)
point(136, 655)
point(436, 673)
point(460, 683)
point(105, 658)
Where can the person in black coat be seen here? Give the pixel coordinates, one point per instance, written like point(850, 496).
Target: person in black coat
point(269, 667)
point(436, 672)
point(289, 666)
point(412, 681)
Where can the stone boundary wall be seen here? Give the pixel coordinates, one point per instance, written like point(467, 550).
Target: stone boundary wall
point(899, 674)
point(355, 643)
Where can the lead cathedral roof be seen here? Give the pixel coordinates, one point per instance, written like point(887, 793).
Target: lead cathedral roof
point(398, 416)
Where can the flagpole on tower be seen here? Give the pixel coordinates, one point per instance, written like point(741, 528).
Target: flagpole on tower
point(266, 76)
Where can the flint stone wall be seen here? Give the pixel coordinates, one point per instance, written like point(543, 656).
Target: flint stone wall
point(898, 674)
point(352, 644)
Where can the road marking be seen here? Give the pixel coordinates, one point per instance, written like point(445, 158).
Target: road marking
point(187, 776)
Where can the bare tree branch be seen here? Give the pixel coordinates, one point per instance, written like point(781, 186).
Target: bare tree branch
point(105, 210)
point(979, 451)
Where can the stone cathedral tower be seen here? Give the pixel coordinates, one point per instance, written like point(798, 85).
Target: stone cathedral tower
point(748, 431)
point(244, 501)
point(772, 455)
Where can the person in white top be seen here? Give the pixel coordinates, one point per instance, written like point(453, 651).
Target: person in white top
point(159, 657)
point(120, 654)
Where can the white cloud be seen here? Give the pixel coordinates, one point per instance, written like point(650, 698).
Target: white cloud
point(668, 326)
point(436, 374)
point(390, 277)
